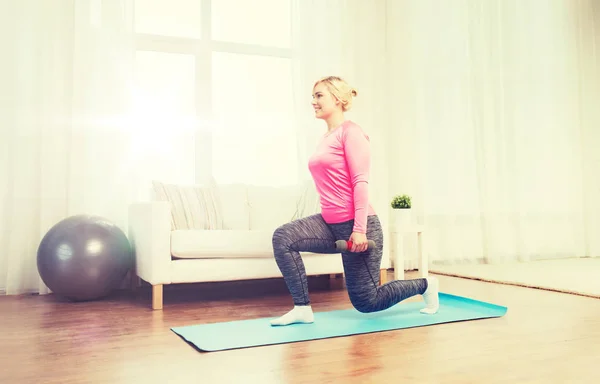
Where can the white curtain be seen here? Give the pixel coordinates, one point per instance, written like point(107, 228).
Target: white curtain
point(70, 141)
point(86, 126)
point(495, 109)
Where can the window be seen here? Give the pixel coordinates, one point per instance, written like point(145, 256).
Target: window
point(259, 22)
point(162, 127)
point(223, 69)
point(165, 83)
point(174, 18)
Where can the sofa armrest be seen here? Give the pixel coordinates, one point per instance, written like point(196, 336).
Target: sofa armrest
point(150, 236)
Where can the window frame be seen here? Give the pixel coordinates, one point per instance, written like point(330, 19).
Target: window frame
point(202, 50)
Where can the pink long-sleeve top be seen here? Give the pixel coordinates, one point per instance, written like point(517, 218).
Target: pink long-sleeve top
point(340, 168)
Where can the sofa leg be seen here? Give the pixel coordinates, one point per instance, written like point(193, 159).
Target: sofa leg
point(382, 276)
point(157, 296)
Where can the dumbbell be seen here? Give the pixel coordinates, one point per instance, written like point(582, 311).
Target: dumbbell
point(344, 245)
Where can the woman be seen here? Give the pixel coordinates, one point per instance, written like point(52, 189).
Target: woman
point(340, 169)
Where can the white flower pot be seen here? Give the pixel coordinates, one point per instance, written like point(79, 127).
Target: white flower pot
point(401, 218)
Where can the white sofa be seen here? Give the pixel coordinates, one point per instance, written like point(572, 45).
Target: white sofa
point(189, 234)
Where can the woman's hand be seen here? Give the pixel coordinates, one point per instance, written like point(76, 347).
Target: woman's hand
point(359, 242)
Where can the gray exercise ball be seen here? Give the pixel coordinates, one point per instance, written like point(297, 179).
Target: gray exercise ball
point(84, 257)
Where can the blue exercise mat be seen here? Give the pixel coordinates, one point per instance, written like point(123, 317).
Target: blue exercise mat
point(258, 332)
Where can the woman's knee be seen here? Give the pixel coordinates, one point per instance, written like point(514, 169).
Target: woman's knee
point(290, 232)
point(281, 233)
point(363, 303)
point(283, 237)
point(364, 307)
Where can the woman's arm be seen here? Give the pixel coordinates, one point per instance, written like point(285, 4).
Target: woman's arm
point(358, 157)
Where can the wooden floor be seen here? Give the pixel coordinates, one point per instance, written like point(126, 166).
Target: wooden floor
point(545, 337)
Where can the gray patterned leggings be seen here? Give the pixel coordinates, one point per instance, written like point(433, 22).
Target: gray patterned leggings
point(361, 270)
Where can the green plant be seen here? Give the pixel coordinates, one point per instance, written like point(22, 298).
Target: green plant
point(401, 202)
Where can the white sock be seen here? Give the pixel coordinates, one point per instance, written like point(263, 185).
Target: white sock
point(432, 301)
point(299, 314)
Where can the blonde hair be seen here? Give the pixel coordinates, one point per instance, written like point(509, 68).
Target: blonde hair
point(339, 89)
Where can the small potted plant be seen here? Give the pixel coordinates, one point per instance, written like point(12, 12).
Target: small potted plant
point(401, 210)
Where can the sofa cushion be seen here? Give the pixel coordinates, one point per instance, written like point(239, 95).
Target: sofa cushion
point(235, 207)
point(223, 244)
point(309, 201)
point(192, 206)
point(210, 244)
point(271, 207)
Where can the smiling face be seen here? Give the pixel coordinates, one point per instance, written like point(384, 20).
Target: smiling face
point(332, 96)
point(324, 102)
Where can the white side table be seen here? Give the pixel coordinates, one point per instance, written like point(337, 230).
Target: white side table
point(398, 245)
